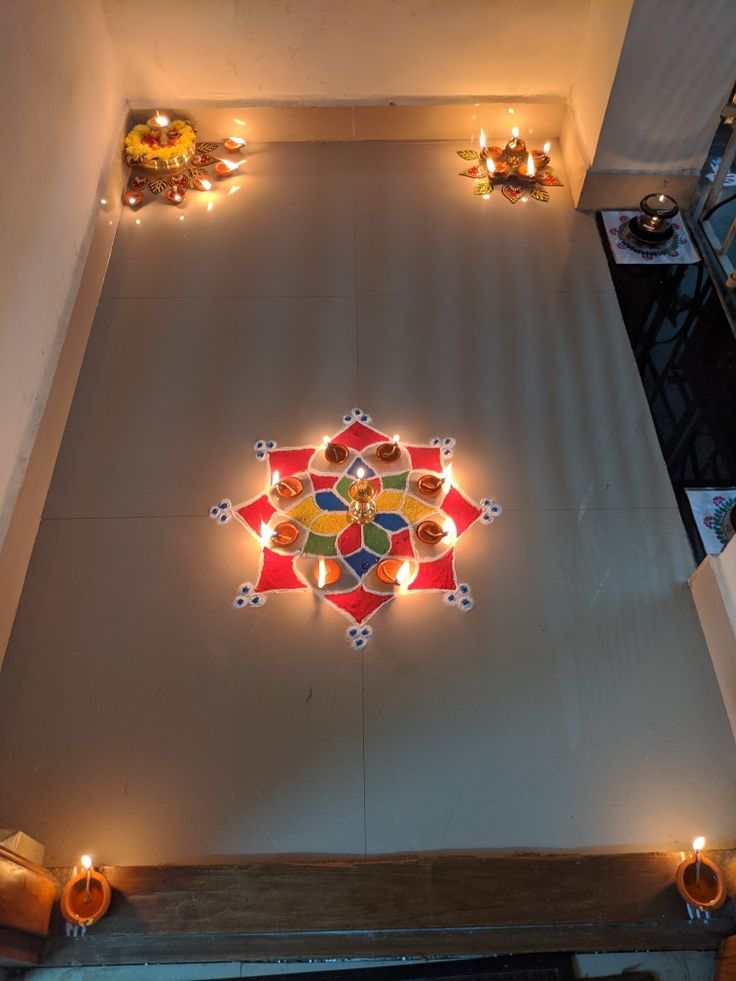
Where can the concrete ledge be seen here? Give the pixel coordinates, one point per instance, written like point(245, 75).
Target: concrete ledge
point(620, 189)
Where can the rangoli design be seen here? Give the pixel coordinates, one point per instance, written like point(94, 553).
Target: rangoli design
point(359, 520)
point(722, 522)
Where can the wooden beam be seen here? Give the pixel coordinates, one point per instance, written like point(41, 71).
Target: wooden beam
point(408, 906)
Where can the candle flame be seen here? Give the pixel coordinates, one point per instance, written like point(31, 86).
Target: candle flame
point(321, 574)
point(403, 573)
point(530, 168)
point(266, 534)
point(86, 861)
point(699, 844)
point(160, 119)
point(546, 148)
point(515, 132)
point(276, 478)
point(490, 165)
point(450, 531)
point(361, 473)
point(482, 139)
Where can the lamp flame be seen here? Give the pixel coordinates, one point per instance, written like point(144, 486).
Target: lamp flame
point(403, 573)
point(276, 478)
point(266, 534)
point(546, 148)
point(515, 132)
point(490, 165)
point(325, 440)
point(482, 139)
point(447, 473)
point(530, 168)
point(395, 438)
point(699, 844)
point(661, 199)
point(321, 574)
point(160, 119)
point(231, 165)
point(237, 139)
point(450, 531)
point(361, 473)
point(86, 862)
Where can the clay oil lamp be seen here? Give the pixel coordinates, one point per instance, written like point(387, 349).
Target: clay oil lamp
point(700, 882)
point(388, 452)
point(326, 573)
point(175, 196)
point(498, 170)
point(541, 157)
point(395, 572)
point(234, 143)
point(528, 171)
point(226, 168)
point(202, 182)
point(335, 452)
point(515, 145)
point(431, 532)
point(362, 508)
point(288, 487)
point(430, 484)
point(284, 534)
point(134, 199)
point(86, 897)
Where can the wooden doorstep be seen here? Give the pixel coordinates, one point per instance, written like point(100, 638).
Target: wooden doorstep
point(406, 906)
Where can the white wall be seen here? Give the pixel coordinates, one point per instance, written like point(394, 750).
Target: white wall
point(676, 71)
point(340, 50)
point(61, 104)
point(600, 50)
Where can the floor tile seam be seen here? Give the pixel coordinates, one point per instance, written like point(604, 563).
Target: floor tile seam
point(507, 510)
point(359, 294)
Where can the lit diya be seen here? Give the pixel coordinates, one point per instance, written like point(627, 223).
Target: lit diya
point(86, 897)
point(133, 198)
point(430, 532)
point(700, 882)
point(288, 487)
point(234, 143)
point(394, 572)
point(202, 183)
point(174, 196)
point(284, 534)
point(326, 573)
point(429, 484)
point(335, 452)
point(387, 452)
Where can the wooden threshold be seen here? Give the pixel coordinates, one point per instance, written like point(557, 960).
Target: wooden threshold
point(406, 906)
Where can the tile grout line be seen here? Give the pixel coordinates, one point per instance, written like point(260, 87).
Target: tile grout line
point(362, 702)
point(507, 510)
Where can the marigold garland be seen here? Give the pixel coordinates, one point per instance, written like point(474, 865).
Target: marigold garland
point(136, 149)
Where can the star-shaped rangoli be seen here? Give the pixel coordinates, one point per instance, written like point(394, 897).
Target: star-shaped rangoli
point(302, 521)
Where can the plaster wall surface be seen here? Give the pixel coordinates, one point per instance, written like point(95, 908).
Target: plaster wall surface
point(246, 50)
point(676, 71)
point(59, 93)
